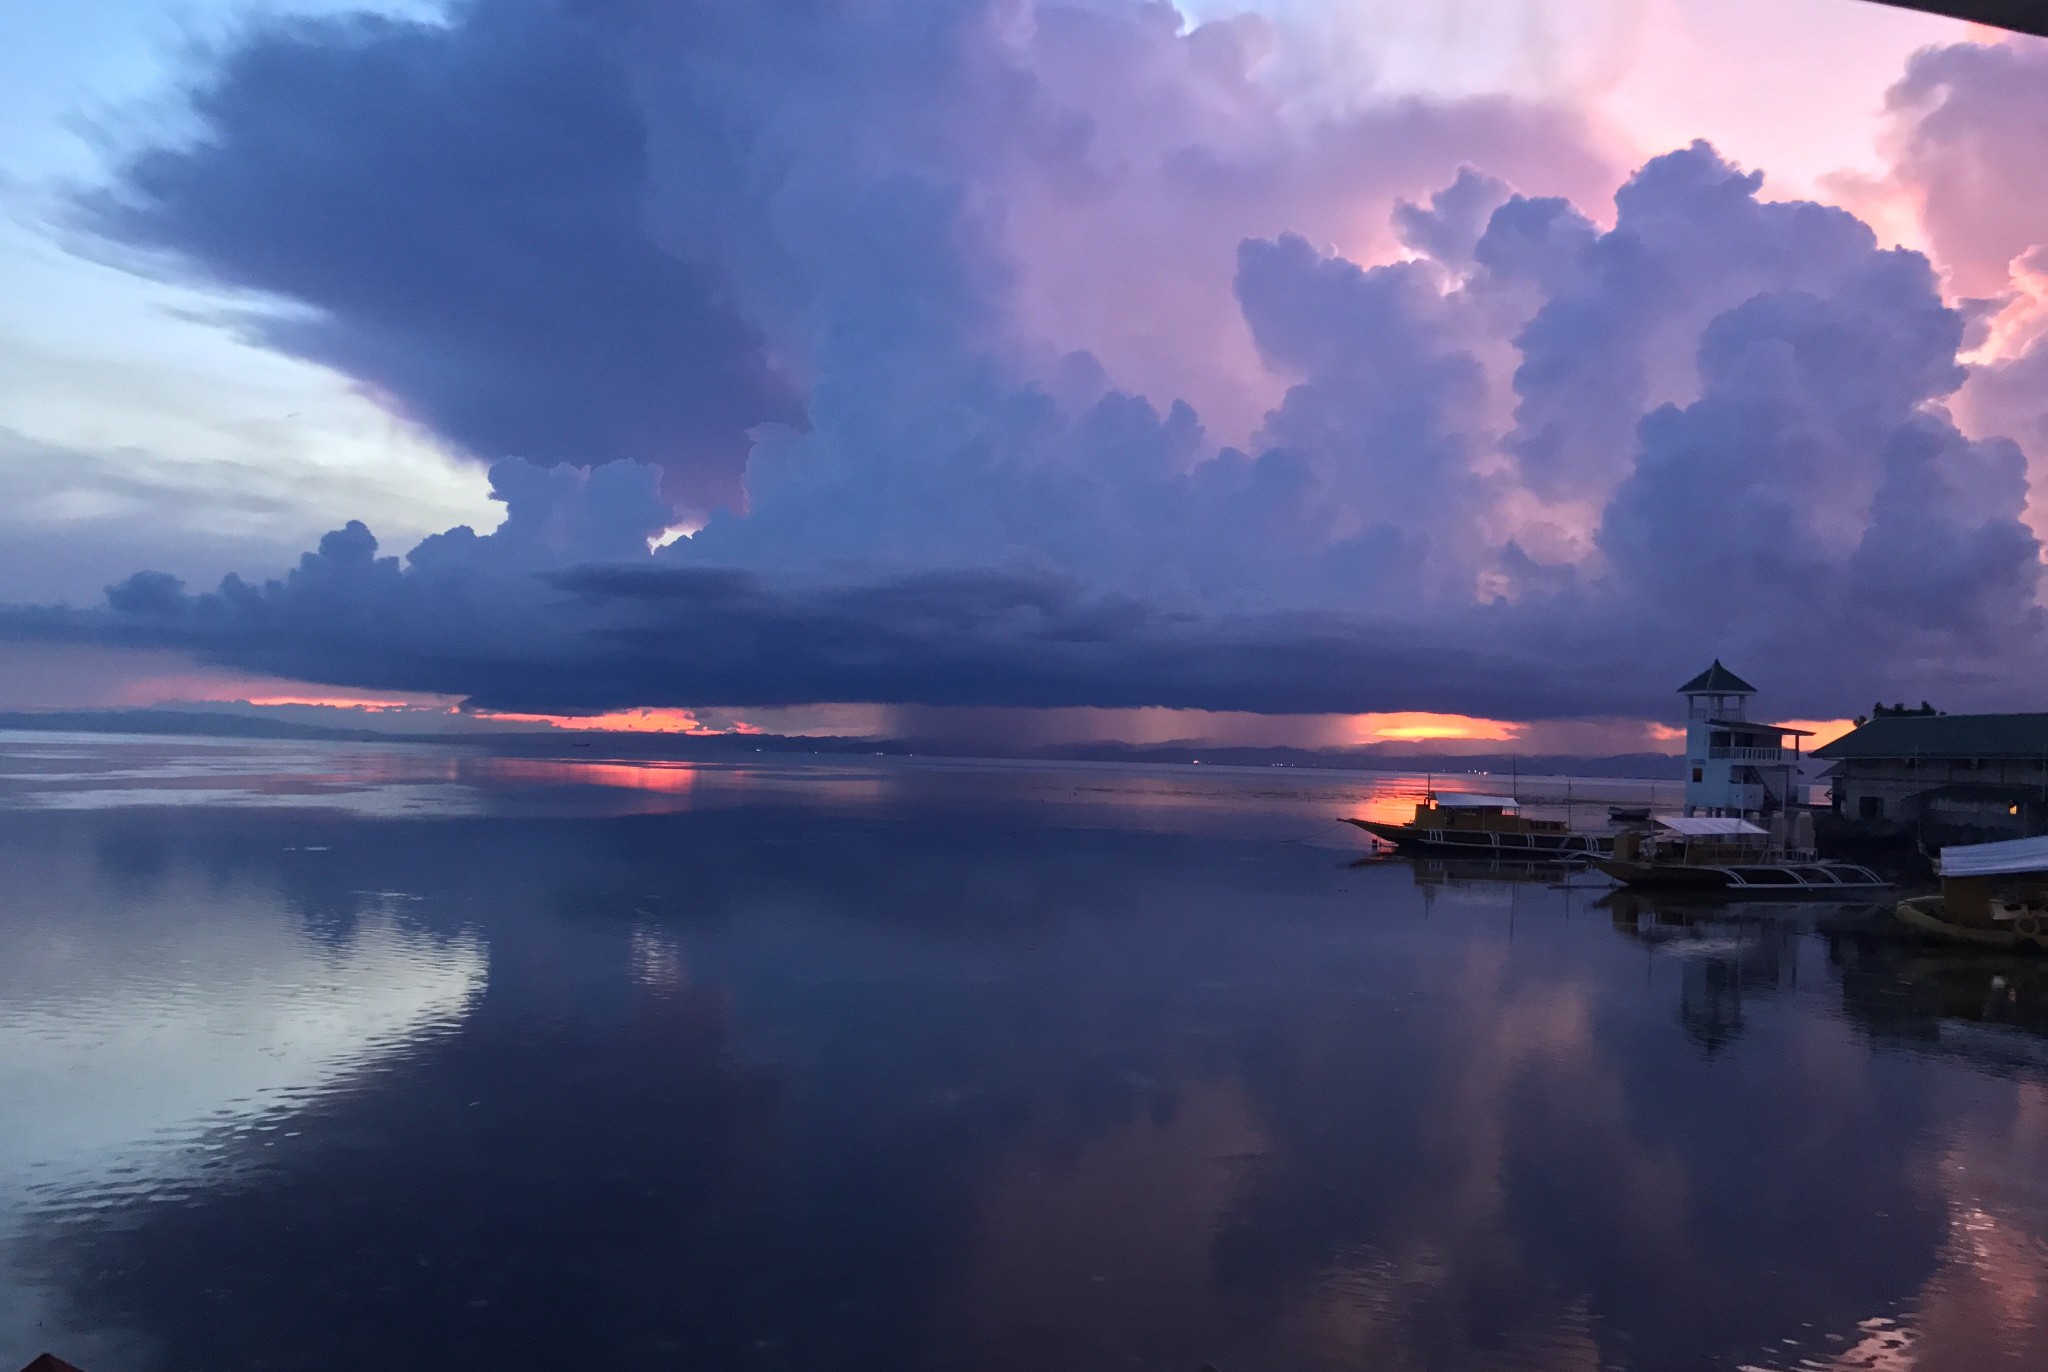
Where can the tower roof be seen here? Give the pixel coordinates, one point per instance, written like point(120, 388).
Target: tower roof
point(1718, 681)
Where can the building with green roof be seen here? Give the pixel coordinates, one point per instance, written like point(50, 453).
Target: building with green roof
point(1977, 774)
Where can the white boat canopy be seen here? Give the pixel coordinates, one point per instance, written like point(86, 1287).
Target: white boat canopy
point(1995, 859)
point(1709, 826)
point(1466, 800)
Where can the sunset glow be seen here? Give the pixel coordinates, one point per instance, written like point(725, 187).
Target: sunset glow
point(1173, 683)
point(1415, 726)
point(638, 721)
point(340, 701)
point(1822, 731)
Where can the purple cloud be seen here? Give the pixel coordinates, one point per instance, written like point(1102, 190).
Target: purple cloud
point(1531, 467)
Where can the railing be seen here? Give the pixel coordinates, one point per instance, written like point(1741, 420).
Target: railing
point(1750, 754)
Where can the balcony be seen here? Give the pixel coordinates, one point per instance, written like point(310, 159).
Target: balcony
point(1750, 754)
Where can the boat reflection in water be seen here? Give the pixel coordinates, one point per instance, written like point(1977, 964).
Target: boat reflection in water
point(1733, 951)
point(1986, 1007)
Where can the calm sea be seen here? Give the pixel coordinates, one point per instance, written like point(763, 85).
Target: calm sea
point(330, 1058)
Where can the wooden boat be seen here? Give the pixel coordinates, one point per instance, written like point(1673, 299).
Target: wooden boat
point(1723, 854)
point(1629, 814)
point(1453, 822)
point(1993, 895)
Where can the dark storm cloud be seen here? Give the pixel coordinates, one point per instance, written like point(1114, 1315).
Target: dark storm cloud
point(455, 215)
point(1541, 468)
point(597, 637)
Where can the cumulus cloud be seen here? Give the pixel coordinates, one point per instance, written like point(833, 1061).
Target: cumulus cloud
point(1815, 494)
point(1006, 265)
point(1970, 146)
point(454, 215)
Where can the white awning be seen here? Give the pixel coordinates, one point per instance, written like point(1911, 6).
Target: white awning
point(1995, 859)
point(1466, 800)
point(1708, 826)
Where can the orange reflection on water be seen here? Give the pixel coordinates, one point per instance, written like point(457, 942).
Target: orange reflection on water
point(669, 777)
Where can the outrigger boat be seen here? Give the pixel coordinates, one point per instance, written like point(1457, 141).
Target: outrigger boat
point(1725, 854)
point(1484, 826)
point(1993, 895)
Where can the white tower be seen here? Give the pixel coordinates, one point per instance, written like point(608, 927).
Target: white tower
point(1732, 765)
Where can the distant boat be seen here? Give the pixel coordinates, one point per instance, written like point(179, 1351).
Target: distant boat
point(1722, 853)
point(1993, 895)
point(1483, 826)
point(1629, 814)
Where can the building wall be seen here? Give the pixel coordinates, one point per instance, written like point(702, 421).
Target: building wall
point(1732, 786)
point(1892, 789)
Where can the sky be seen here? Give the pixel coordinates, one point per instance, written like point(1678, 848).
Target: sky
point(1308, 371)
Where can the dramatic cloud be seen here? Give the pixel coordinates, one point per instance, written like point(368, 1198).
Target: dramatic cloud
point(1812, 494)
point(456, 216)
point(1970, 148)
point(1122, 383)
point(1971, 138)
point(591, 638)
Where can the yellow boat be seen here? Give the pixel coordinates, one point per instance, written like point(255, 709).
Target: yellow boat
point(1993, 895)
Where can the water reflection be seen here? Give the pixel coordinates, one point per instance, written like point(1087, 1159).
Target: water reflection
point(974, 1074)
point(163, 1025)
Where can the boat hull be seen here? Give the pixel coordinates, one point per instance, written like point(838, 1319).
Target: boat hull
point(1924, 915)
point(1487, 843)
point(1747, 879)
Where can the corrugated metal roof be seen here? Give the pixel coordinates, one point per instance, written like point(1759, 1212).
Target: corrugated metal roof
point(1943, 736)
point(2009, 858)
point(1755, 727)
point(1706, 826)
point(1466, 800)
point(1717, 680)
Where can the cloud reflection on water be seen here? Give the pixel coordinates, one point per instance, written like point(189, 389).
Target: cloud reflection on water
point(160, 1043)
point(782, 1079)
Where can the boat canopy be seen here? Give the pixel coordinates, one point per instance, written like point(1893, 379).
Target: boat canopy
point(2009, 858)
point(1465, 800)
point(1709, 826)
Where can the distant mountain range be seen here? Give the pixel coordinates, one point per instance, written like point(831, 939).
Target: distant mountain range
point(216, 724)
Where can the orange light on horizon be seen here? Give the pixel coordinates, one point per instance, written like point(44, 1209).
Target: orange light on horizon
point(1414, 726)
point(1824, 731)
point(641, 720)
point(1821, 731)
point(342, 702)
point(198, 688)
